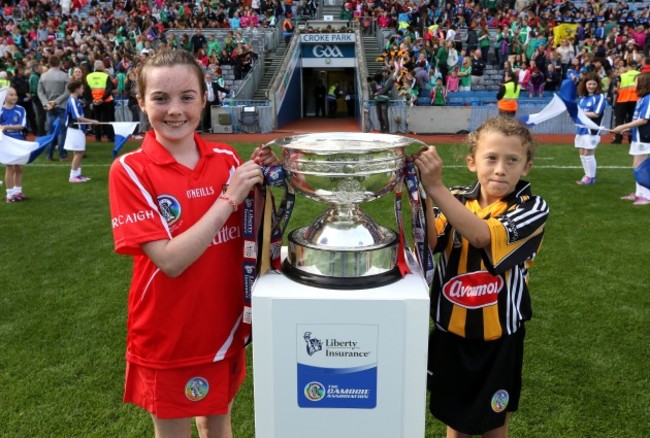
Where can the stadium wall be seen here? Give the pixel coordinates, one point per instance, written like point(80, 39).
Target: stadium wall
point(455, 119)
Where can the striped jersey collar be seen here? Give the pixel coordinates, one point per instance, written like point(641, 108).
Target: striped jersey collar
point(522, 188)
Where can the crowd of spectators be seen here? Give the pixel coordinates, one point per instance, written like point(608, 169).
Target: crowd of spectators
point(121, 34)
point(427, 46)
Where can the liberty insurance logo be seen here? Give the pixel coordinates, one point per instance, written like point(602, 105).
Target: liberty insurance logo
point(313, 344)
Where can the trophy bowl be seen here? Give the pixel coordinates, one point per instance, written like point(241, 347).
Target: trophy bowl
point(343, 248)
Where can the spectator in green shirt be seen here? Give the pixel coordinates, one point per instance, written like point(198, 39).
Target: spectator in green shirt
point(533, 42)
point(484, 43)
point(465, 74)
point(441, 59)
point(39, 111)
point(213, 45)
point(439, 94)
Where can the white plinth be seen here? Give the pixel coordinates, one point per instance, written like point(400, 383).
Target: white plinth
point(339, 363)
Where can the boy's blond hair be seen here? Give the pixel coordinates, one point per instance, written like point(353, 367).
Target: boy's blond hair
point(507, 126)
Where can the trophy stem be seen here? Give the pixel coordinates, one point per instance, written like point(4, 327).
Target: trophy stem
point(344, 226)
point(346, 210)
point(343, 249)
point(343, 213)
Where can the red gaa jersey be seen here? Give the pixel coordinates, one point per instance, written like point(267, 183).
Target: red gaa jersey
point(195, 318)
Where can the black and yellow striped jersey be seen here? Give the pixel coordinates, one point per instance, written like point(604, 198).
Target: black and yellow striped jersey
point(482, 293)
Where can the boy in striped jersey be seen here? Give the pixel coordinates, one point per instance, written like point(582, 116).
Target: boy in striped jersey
point(488, 235)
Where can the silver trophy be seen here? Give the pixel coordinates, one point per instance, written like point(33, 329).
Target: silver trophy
point(344, 248)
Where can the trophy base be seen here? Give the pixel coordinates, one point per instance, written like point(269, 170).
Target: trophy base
point(340, 283)
point(337, 267)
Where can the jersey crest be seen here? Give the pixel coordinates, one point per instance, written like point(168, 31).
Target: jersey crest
point(170, 208)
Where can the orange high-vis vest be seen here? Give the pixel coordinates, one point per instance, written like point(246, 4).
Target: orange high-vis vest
point(97, 83)
point(627, 87)
point(509, 100)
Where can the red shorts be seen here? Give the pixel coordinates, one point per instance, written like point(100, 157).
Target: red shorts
point(196, 391)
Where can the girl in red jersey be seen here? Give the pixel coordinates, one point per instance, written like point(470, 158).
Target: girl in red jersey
point(488, 235)
point(175, 209)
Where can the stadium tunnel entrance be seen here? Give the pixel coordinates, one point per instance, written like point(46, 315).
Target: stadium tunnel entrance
point(344, 82)
point(329, 59)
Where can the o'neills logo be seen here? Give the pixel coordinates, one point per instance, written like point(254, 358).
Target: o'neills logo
point(474, 290)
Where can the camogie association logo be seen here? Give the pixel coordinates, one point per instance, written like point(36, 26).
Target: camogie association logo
point(314, 391)
point(313, 344)
point(500, 401)
point(170, 208)
point(196, 389)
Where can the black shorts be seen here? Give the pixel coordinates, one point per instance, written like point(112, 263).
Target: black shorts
point(474, 383)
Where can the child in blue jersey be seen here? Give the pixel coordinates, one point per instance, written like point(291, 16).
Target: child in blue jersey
point(75, 139)
point(593, 102)
point(640, 146)
point(488, 235)
point(13, 120)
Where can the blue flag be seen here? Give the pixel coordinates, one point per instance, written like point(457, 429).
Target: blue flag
point(568, 95)
point(642, 173)
point(565, 100)
point(123, 131)
point(45, 140)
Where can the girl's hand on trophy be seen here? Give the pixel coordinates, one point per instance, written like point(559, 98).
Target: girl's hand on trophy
point(264, 156)
point(246, 176)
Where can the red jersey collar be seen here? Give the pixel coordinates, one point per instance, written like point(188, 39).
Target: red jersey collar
point(161, 156)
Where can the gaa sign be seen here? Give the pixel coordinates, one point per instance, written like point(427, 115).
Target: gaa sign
point(327, 51)
point(324, 51)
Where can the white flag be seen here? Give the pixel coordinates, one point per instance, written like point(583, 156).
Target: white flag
point(554, 108)
point(14, 151)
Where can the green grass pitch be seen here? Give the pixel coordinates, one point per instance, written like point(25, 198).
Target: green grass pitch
point(63, 295)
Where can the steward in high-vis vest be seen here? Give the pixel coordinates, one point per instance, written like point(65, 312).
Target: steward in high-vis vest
point(508, 95)
point(4, 82)
point(627, 86)
point(626, 99)
point(332, 95)
point(100, 87)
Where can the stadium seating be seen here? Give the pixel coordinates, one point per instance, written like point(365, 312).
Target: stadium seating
point(479, 98)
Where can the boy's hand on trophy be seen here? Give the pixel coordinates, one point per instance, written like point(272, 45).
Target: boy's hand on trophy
point(430, 165)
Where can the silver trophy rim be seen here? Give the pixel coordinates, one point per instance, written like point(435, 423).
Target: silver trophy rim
point(361, 142)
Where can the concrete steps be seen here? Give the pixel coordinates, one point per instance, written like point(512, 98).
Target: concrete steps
point(272, 62)
point(492, 78)
point(372, 50)
point(331, 9)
